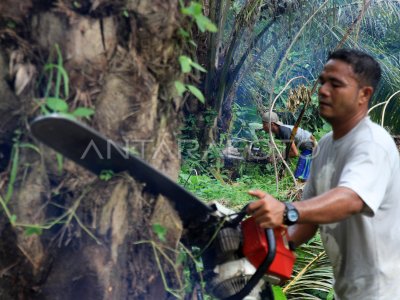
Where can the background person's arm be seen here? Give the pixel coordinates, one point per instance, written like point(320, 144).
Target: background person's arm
point(294, 152)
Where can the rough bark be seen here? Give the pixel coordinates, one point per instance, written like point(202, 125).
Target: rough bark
point(121, 58)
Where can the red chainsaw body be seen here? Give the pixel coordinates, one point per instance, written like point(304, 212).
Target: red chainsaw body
point(255, 249)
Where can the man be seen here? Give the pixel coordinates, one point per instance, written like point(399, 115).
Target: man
point(302, 140)
point(353, 193)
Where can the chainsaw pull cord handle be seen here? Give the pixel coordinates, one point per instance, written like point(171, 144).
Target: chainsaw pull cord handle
point(270, 237)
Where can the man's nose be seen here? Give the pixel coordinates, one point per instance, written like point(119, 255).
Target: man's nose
point(323, 90)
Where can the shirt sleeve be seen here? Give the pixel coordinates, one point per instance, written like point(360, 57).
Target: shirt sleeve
point(367, 173)
point(284, 133)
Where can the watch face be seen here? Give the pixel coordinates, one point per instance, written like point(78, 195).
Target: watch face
point(292, 215)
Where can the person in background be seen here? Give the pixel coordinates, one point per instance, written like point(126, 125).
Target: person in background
point(353, 191)
point(303, 141)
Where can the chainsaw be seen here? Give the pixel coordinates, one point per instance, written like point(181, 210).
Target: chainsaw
point(240, 259)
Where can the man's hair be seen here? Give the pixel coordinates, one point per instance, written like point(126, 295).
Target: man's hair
point(365, 67)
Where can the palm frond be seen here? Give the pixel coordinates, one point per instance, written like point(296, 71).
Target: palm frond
point(312, 277)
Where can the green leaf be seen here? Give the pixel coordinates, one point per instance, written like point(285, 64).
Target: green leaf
point(33, 230)
point(43, 109)
point(11, 24)
point(57, 104)
point(13, 172)
point(106, 175)
point(278, 293)
point(180, 87)
point(196, 92)
point(326, 127)
point(211, 27)
point(160, 231)
point(30, 146)
point(77, 4)
point(64, 75)
point(193, 9)
point(181, 258)
point(83, 112)
point(60, 163)
point(183, 33)
point(201, 23)
point(57, 86)
point(205, 23)
point(132, 150)
point(186, 63)
point(331, 295)
point(196, 8)
point(197, 66)
point(13, 219)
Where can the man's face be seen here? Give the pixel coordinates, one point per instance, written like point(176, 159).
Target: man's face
point(340, 94)
point(274, 127)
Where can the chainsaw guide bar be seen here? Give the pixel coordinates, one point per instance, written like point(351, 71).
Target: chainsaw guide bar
point(96, 153)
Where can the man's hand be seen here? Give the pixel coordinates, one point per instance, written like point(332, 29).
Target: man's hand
point(267, 211)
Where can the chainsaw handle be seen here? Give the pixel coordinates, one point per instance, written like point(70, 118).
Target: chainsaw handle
point(269, 233)
point(240, 216)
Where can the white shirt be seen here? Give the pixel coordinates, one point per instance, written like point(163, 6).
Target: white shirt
point(364, 249)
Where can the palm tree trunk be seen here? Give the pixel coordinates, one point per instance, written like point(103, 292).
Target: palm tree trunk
point(121, 60)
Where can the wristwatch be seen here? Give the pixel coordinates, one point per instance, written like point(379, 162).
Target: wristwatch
point(290, 215)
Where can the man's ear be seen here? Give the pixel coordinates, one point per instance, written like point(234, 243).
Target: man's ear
point(366, 94)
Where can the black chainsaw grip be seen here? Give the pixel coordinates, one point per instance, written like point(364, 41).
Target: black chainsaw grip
point(269, 233)
point(240, 216)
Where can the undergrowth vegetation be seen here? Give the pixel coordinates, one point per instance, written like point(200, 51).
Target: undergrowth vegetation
point(213, 181)
point(233, 192)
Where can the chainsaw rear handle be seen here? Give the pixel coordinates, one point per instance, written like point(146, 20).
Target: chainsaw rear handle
point(240, 216)
point(253, 281)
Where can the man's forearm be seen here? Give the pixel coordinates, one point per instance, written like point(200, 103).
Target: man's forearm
point(332, 206)
point(293, 151)
point(302, 233)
